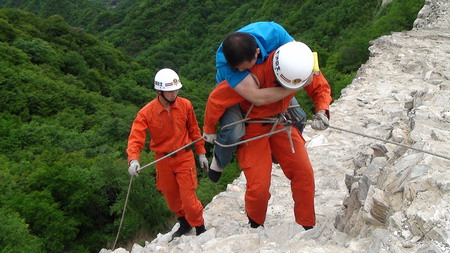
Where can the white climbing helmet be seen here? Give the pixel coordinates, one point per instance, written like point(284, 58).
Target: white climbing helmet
point(293, 64)
point(167, 80)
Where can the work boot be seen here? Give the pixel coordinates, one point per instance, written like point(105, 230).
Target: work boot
point(253, 223)
point(214, 171)
point(307, 227)
point(183, 229)
point(200, 229)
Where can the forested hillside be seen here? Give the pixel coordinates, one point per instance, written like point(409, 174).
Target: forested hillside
point(73, 76)
point(184, 35)
point(67, 100)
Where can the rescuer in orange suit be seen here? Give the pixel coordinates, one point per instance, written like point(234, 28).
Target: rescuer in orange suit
point(172, 124)
point(290, 66)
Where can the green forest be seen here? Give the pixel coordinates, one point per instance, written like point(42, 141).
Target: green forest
point(74, 75)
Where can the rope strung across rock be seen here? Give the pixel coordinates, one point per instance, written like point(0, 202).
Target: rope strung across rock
point(269, 120)
point(391, 142)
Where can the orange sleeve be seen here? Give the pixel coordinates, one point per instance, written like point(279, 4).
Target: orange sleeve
point(222, 97)
point(137, 137)
point(320, 93)
point(194, 130)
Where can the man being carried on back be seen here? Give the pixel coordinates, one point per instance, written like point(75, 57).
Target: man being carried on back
point(291, 67)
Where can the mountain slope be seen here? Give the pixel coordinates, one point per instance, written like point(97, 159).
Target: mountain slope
point(401, 94)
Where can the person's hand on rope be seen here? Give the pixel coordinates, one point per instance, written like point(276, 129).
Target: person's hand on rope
point(134, 168)
point(210, 138)
point(320, 121)
point(203, 162)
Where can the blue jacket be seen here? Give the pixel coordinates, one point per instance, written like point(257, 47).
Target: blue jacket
point(268, 35)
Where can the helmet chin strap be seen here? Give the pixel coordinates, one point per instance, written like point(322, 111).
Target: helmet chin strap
point(168, 101)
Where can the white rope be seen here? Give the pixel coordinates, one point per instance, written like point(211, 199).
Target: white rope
point(275, 121)
point(123, 212)
point(170, 154)
point(251, 139)
point(391, 142)
point(330, 126)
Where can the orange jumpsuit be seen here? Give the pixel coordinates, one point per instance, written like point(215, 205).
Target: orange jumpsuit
point(176, 176)
point(255, 157)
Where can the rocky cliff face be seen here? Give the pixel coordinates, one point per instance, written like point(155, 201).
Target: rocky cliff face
point(371, 196)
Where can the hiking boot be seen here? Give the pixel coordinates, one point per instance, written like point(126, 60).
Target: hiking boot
point(214, 176)
point(183, 229)
point(200, 229)
point(253, 223)
point(307, 227)
point(214, 171)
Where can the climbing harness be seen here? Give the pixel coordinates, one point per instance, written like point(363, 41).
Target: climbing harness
point(283, 118)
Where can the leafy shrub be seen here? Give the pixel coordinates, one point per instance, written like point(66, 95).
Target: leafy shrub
point(74, 64)
point(16, 236)
point(7, 33)
point(12, 55)
point(39, 50)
